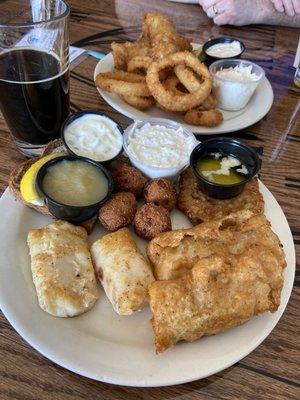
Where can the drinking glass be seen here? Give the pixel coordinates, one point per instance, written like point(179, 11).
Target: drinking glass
point(34, 70)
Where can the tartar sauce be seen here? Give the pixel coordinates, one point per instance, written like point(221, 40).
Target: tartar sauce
point(160, 146)
point(94, 136)
point(224, 50)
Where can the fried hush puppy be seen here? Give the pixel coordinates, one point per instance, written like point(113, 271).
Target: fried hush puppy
point(128, 179)
point(161, 192)
point(151, 220)
point(118, 211)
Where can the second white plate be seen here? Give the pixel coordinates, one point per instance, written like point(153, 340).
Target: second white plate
point(256, 109)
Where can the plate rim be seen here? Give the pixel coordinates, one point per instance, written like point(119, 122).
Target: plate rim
point(260, 114)
point(42, 347)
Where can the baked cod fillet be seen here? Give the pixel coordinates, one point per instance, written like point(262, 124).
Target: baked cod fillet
point(200, 208)
point(122, 269)
point(62, 269)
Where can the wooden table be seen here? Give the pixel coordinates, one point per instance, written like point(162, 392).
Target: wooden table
point(272, 370)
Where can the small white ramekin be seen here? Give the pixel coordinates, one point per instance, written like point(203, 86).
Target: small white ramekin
point(233, 95)
point(154, 172)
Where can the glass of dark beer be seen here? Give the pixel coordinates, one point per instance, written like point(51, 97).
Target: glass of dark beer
point(34, 70)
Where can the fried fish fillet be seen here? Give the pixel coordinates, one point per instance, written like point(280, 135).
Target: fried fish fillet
point(174, 253)
point(221, 290)
point(198, 207)
point(62, 269)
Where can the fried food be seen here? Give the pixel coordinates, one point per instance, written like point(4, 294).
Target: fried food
point(168, 99)
point(210, 103)
point(203, 118)
point(155, 24)
point(164, 44)
point(151, 220)
point(157, 55)
point(205, 114)
point(198, 207)
point(123, 83)
point(139, 64)
point(139, 102)
point(173, 254)
point(128, 179)
point(187, 78)
point(62, 270)
point(173, 84)
point(235, 281)
point(161, 192)
point(162, 35)
point(124, 52)
point(123, 271)
point(118, 211)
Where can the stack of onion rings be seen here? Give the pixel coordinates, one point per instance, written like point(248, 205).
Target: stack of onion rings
point(161, 68)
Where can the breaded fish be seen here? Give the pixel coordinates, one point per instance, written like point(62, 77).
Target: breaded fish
point(62, 269)
point(174, 253)
point(123, 271)
point(198, 207)
point(221, 290)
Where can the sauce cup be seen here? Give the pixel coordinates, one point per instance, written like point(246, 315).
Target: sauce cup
point(208, 59)
point(233, 95)
point(154, 172)
point(79, 114)
point(226, 147)
point(74, 214)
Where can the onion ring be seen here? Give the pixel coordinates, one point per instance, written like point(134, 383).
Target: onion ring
point(172, 83)
point(203, 118)
point(187, 78)
point(168, 99)
point(139, 102)
point(123, 83)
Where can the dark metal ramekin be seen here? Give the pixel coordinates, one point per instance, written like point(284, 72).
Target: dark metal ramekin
point(210, 59)
point(78, 114)
point(74, 214)
point(226, 147)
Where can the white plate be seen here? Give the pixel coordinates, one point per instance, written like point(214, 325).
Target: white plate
point(104, 346)
point(256, 109)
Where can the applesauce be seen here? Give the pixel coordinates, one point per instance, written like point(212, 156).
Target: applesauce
point(75, 183)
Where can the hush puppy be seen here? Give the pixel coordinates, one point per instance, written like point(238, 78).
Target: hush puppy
point(151, 220)
point(161, 192)
point(128, 179)
point(118, 211)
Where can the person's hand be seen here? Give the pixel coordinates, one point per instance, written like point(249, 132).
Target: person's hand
point(233, 12)
point(290, 7)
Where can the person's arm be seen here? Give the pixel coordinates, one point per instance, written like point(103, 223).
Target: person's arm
point(236, 12)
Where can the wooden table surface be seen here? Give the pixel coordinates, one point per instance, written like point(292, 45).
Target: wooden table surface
point(272, 370)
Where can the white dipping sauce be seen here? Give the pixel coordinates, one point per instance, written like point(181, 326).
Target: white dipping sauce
point(234, 87)
point(160, 146)
point(224, 50)
point(94, 136)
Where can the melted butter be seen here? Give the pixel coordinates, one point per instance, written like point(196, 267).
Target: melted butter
point(75, 183)
point(221, 170)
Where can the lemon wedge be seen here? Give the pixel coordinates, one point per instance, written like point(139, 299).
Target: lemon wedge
point(27, 185)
